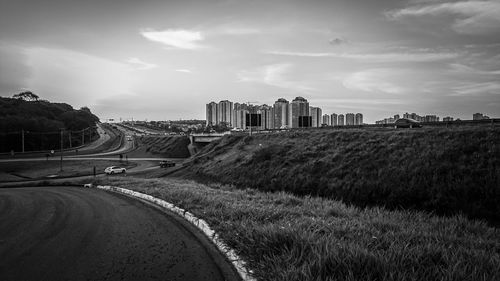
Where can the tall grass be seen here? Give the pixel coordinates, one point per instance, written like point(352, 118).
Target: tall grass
point(285, 237)
point(442, 170)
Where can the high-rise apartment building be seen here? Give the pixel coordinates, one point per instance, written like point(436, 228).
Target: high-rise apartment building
point(298, 112)
point(239, 115)
point(349, 119)
point(479, 116)
point(211, 113)
point(333, 118)
point(316, 114)
point(341, 120)
point(267, 117)
point(326, 120)
point(358, 119)
point(225, 112)
point(281, 114)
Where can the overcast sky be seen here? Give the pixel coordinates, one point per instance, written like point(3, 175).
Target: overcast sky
point(165, 59)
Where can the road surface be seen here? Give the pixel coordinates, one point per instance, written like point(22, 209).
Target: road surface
point(71, 233)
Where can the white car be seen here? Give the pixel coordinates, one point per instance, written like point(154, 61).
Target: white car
point(114, 170)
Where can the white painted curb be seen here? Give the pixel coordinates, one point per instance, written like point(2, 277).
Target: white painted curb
point(237, 262)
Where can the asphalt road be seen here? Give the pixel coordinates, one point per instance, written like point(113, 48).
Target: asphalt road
point(72, 233)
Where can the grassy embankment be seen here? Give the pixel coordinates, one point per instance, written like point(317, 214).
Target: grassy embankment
point(287, 237)
point(165, 146)
point(442, 170)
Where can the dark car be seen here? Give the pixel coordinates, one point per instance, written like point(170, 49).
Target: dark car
point(407, 123)
point(167, 163)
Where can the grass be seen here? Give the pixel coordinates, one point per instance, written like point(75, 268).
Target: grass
point(164, 146)
point(42, 169)
point(287, 237)
point(443, 170)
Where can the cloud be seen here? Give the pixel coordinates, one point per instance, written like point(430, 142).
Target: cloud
point(184, 70)
point(464, 69)
point(141, 65)
point(477, 88)
point(373, 80)
point(337, 41)
point(383, 57)
point(239, 30)
point(470, 17)
point(276, 75)
point(181, 39)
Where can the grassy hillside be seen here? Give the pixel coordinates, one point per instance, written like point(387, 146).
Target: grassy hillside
point(446, 171)
point(166, 146)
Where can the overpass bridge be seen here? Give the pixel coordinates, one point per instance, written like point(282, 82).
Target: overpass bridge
point(205, 138)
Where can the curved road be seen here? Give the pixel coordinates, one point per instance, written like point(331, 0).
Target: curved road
point(70, 233)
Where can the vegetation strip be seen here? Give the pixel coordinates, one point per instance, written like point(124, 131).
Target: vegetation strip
point(238, 263)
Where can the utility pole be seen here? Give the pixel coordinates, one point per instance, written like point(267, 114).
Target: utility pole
point(83, 136)
point(61, 149)
point(69, 136)
point(22, 138)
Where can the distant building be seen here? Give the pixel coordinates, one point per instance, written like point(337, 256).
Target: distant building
point(396, 117)
point(430, 118)
point(298, 110)
point(316, 114)
point(341, 120)
point(281, 115)
point(358, 119)
point(225, 112)
point(349, 119)
point(479, 116)
point(333, 118)
point(267, 117)
point(239, 115)
point(326, 120)
point(447, 119)
point(212, 114)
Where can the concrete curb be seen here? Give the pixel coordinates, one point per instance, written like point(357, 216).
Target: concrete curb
point(237, 262)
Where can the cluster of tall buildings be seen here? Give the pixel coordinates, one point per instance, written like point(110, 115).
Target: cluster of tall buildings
point(479, 116)
point(282, 114)
point(414, 116)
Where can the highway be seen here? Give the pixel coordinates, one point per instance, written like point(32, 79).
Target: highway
point(72, 233)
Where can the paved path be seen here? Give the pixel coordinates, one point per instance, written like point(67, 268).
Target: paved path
point(70, 233)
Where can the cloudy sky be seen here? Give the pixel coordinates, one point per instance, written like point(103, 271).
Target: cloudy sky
point(165, 59)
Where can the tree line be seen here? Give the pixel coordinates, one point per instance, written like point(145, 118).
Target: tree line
point(40, 122)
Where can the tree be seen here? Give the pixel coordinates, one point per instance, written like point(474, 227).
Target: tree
point(26, 95)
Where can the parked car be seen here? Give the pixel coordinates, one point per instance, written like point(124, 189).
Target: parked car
point(167, 163)
point(115, 170)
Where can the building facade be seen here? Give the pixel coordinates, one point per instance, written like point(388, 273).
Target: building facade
point(281, 114)
point(358, 119)
point(297, 110)
point(349, 119)
point(326, 120)
point(333, 118)
point(341, 120)
point(225, 112)
point(316, 114)
point(212, 114)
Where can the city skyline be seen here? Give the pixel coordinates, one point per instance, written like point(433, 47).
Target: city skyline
point(283, 114)
point(161, 60)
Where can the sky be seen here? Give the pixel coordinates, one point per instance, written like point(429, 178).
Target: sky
point(166, 59)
